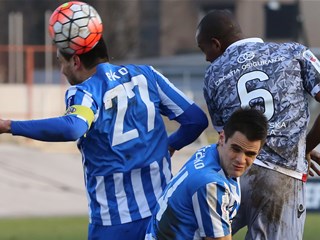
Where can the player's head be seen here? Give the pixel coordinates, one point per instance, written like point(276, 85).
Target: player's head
point(216, 31)
point(92, 58)
point(241, 140)
point(77, 68)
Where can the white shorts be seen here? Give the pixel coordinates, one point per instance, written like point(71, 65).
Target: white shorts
point(272, 205)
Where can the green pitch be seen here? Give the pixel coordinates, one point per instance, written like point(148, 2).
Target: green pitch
point(75, 228)
point(55, 228)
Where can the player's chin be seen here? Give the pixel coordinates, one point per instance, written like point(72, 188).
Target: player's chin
point(237, 172)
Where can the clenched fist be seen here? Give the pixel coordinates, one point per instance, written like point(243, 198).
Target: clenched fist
point(5, 126)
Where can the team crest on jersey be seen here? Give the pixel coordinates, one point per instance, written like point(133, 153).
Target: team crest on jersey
point(247, 56)
point(70, 110)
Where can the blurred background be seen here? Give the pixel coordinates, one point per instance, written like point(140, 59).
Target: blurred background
point(155, 32)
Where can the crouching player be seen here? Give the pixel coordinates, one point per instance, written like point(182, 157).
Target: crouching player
point(202, 199)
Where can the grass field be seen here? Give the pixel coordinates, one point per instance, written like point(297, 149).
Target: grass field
point(75, 228)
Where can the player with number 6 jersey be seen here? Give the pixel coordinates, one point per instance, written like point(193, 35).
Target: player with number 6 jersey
point(276, 78)
point(261, 71)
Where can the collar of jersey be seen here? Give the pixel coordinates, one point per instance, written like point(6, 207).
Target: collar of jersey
point(246, 40)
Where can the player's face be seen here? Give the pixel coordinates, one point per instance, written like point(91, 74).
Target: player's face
point(237, 153)
point(210, 47)
point(67, 68)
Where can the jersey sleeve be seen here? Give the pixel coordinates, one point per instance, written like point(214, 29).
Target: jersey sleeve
point(177, 106)
point(193, 122)
point(310, 72)
point(210, 204)
point(59, 129)
point(70, 127)
point(173, 101)
point(80, 102)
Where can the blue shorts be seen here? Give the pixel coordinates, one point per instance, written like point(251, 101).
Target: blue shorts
point(134, 230)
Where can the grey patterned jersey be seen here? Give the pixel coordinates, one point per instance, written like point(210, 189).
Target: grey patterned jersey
point(275, 78)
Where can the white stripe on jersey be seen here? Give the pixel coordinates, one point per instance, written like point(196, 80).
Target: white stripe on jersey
point(121, 197)
point(197, 212)
point(102, 200)
point(71, 91)
point(166, 170)
point(149, 237)
point(212, 201)
point(87, 100)
point(140, 197)
point(172, 86)
point(197, 236)
point(169, 103)
point(88, 93)
point(315, 90)
point(155, 179)
point(85, 182)
point(225, 203)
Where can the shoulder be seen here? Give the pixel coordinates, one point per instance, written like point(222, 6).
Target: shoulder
point(204, 166)
point(292, 47)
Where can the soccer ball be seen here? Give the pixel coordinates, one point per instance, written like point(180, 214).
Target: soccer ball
point(75, 27)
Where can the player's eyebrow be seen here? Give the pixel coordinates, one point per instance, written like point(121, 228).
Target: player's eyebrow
point(239, 148)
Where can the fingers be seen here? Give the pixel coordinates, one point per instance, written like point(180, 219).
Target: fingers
point(315, 168)
point(315, 156)
point(313, 159)
point(311, 173)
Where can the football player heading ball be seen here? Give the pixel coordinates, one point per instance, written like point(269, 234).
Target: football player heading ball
point(114, 113)
point(75, 27)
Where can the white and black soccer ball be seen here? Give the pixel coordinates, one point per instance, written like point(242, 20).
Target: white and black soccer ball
point(75, 27)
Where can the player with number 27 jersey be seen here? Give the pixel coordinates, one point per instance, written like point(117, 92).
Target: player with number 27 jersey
point(260, 69)
point(125, 152)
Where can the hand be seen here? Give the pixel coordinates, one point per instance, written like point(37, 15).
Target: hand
point(314, 158)
point(5, 126)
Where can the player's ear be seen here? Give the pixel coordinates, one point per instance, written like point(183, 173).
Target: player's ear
point(216, 43)
point(76, 61)
point(221, 138)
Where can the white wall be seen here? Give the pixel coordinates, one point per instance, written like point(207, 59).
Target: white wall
point(20, 101)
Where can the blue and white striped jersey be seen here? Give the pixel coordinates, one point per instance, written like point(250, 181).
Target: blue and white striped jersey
point(200, 201)
point(125, 151)
point(276, 78)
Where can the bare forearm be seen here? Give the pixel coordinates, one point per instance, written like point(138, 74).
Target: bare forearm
point(313, 137)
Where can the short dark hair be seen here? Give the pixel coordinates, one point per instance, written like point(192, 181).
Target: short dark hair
point(250, 122)
point(220, 24)
point(93, 57)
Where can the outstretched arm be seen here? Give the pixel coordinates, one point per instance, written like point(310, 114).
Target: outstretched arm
point(313, 137)
point(312, 141)
point(59, 129)
point(193, 122)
